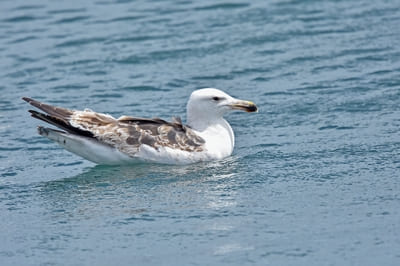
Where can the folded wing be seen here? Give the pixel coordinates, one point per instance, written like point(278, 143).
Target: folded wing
point(126, 134)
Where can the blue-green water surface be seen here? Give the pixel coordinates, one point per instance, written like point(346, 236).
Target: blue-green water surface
point(315, 175)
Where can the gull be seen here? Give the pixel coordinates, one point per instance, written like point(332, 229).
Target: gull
point(106, 140)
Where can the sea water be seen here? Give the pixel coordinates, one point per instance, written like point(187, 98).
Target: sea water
point(315, 175)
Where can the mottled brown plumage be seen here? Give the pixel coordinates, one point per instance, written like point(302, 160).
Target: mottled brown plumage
point(127, 134)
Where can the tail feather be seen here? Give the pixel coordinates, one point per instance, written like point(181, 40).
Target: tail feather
point(78, 141)
point(88, 148)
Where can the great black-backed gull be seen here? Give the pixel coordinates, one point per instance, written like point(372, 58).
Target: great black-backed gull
point(103, 139)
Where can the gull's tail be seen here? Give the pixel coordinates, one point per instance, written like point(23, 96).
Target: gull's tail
point(56, 116)
point(88, 148)
point(73, 139)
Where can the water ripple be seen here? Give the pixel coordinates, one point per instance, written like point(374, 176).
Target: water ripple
point(21, 18)
point(313, 177)
point(80, 42)
point(142, 88)
point(71, 19)
point(223, 6)
point(66, 11)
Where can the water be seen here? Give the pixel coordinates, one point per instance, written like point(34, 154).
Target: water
point(314, 179)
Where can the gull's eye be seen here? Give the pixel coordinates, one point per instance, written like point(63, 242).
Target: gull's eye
point(217, 99)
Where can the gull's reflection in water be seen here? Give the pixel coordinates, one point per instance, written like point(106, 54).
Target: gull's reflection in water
point(150, 173)
point(132, 190)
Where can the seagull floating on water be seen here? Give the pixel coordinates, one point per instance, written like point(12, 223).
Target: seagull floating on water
point(103, 139)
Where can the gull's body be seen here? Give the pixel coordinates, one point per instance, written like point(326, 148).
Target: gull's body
point(103, 139)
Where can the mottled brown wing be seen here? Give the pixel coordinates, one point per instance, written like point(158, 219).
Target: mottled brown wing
point(158, 133)
point(126, 133)
point(129, 133)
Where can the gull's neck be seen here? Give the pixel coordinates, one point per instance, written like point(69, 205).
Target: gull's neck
point(201, 120)
point(215, 130)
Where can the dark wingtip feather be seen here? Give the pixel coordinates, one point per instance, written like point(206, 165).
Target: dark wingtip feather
point(33, 112)
point(38, 115)
point(59, 112)
point(60, 123)
point(33, 102)
point(27, 99)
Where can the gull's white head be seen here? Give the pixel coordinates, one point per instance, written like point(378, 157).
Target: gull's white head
point(208, 105)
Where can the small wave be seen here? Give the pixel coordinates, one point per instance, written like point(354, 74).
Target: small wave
point(359, 51)
point(270, 52)
point(247, 71)
point(71, 19)
point(267, 145)
point(263, 39)
point(139, 38)
point(126, 18)
point(272, 93)
point(22, 18)
point(76, 62)
point(69, 164)
point(80, 42)
point(213, 77)
point(29, 7)
point(96, 73)
point(70, 87)
point(23, 39)
point(319, 69)
point(222, 6)
point(108, 95)
point(335, 127)
point(8, 174)
point(142, 88)
point(177, 83)
point(62, 11)
point(10, 148)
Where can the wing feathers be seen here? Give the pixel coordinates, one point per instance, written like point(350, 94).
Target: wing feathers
point(51, 110)
point(60, 123)
point(126, 133)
